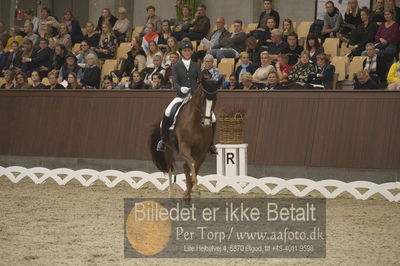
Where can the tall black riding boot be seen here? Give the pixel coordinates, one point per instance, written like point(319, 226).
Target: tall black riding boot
point(164, 134)
point(213, 150)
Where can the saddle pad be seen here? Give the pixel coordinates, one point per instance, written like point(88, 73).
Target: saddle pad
point(175, 115)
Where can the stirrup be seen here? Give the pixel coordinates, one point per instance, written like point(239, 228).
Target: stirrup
point(161, 146)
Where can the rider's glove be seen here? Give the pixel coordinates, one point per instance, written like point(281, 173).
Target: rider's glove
point(185, 90)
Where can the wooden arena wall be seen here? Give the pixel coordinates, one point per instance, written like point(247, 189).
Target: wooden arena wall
point(346, 129)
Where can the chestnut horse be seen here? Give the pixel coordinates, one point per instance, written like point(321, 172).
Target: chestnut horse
point(193, 136)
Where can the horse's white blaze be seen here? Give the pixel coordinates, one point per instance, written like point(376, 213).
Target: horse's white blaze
point(207, 120)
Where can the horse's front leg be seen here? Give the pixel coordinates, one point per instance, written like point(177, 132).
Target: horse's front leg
point(170, 188)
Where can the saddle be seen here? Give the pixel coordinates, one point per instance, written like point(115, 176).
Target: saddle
point(175, 112)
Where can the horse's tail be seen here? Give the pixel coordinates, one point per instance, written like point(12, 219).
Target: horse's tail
point(159, 158)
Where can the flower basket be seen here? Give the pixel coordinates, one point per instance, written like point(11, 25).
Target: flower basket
point(231, 126)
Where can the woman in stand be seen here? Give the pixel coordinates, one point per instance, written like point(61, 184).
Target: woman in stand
point(388, 36)
point(9, 78)
point(314, 47)
point(73, 83)
point(36, 81)
point(108, 43)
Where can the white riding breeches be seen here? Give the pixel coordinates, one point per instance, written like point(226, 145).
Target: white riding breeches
point(179, 100)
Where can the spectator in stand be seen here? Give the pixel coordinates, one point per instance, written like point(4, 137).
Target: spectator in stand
point(153, 51)
point(108, 43)
point(185, 20)
point(322, 76)
point(391, 5)
point(26, 57)
point(47, 20)
point(198, 28)
point(127, 65)
point(3, 58)
point(332, 21)
point(9, 78)
point(91, 73)
point(58, 58)
point(28, 29)
point(264, 37)
point(364, 82)
point(150, 36)
point(363, 34)
point(287, 28)
point(48, 35)
point(209, 66)
point(245, 66)
point(73, 82)
point(301, 70)
point(30, 17)
point(174, 58)
point(277, 45)
point(254, 50)
point(21, 81)
point(3, 34)
point(388, 36)
point(165, 34)
point(152, 18)
point(378, 14)
point(92, 37)
point(70, 66)
point(247, 82)
point(73, 26)
point(268, 12)
point(136, 82)
point(393, 77)
point(172, 47)
point(157, 68)
point(108, 83)
point(64, 37)
point(139, 64)
point(375, 65)
point(14, 37)
point(314, 47)
point(83, 53)
point(231, 46)
point(273, 82)
point(261, 74)
point(293, 50)
point(283, 69)
point(14, 60)
point(106, 18)
point(36, 81)
point(157, 80)
point(352, 18)
point(40, 59)
point(54, 85)
point(122, 26)
point(233, 84)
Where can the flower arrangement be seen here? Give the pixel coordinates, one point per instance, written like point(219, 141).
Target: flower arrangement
point(233, 111)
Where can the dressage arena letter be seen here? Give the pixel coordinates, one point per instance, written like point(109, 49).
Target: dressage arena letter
point(230, 158)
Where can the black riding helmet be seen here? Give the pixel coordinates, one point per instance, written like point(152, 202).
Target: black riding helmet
point(185, 44)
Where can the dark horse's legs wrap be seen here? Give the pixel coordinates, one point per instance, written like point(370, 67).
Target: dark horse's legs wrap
point(164, 134)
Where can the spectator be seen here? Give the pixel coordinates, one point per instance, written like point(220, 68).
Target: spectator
point(9, 78)
point(314, 47)
point(3, 34)
point(14, 37)
point(91, 74)
point(363, 34)
point(174, 58)
point(352, 18)
point(277, 45)
point(264, 37)
point(54, 85)
point(150, 36)
point(375, 65)
point(233, 83)
point(39, 60)
point(172, 47)
point(127, 65)
point(232, 46)
point(108, 43)
point(302, 69)
point(108, 83)
point(273, 82)
point(64, 37)
point(14, 60)
point(391, 5)
point(139, 64)
point(293, 50)
point(388, 36)
point(157, 80)
point(30, 17)
point(21, 81)
point(48, 35)
point(157, 68)
point(287, 28)
point(122, 26)
point(253, 49)
point(185, 20)
point(283, 69)
point(73, 26)
point(247, 81)
point(332, 21)
point(166, 33)
point(198, 28)
point(58, 58)
point(106, 18)
point(28, 29)
point(378, 14)
point(152, 18)
point(47, 20)
point(73, 83)
point(137, 82)
point(36, 81)
point(261, 74)
point(393, 77)
point(83, 53)
point(322, 77)
point(364, 82)
point(209, 66)
point(70, 66)
point(268, 12)
point(92, 37)
point(3, 58)
point(245, 66)
point(153, 50)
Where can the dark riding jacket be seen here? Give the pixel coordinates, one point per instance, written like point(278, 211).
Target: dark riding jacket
point(182, 77)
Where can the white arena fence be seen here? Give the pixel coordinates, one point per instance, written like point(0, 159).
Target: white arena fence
point(330, 189)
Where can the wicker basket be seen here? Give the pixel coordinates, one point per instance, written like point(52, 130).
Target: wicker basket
point(231, 129)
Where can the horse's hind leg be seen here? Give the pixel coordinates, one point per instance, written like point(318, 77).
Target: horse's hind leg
point(170, 188)
point(189, 185)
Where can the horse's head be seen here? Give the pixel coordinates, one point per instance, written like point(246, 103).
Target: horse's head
point(209, 88)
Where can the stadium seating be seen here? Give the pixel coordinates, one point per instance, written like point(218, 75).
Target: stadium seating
point(251, 27)
point(340, 63)
point(331, 46)
point(225, 69)
point(123, 49)
point(136, 31)
point(229, 61)
point(303, 29)
point(45, 81)
point(2, 81)
point(108, 66)
point(355, 66)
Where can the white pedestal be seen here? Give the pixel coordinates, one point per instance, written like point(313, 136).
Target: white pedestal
point(232, 159)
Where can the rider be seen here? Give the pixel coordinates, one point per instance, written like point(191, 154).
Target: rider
point(186, 75)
